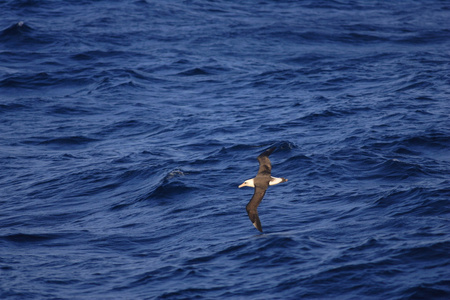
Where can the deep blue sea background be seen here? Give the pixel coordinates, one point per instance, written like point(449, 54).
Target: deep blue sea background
point(127, 126)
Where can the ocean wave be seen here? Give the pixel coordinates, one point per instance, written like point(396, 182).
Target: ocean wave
point(20, 238)
point(17, 29)
point(162, 187)
point(22, 33)
point(61, 143)
point(42, 79)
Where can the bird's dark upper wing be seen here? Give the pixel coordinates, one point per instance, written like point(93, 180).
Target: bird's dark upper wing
point(253, 205)
point(265, 167)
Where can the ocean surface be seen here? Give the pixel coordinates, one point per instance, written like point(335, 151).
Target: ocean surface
point(127, 126)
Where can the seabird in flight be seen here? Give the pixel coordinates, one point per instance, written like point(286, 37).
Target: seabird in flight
point(261, 182)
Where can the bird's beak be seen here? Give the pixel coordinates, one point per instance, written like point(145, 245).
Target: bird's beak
point(241, 185)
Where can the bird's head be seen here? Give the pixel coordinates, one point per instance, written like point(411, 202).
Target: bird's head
point(249, 183)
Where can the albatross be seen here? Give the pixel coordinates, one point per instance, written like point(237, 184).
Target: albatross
point(261, 182)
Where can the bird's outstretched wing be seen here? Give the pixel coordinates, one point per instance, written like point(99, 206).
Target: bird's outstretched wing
point(253, 205)
point(265, 167)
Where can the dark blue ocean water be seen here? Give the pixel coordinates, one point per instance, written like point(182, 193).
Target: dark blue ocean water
point(126, 127)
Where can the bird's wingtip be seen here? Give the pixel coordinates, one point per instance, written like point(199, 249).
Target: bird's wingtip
point(258, 227)
point(268, 151)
